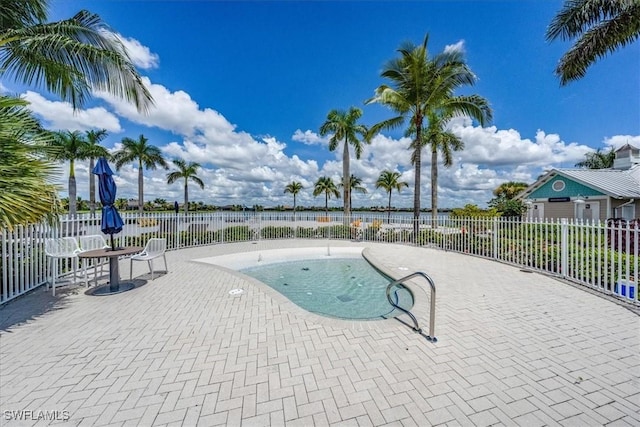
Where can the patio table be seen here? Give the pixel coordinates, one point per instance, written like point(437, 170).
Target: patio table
point(115, 286)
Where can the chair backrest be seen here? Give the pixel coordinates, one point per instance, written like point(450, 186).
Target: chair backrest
point(89, 243)
point(62, 246)
point(156, 246)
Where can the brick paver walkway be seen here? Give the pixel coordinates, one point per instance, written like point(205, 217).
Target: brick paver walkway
point(514, 348)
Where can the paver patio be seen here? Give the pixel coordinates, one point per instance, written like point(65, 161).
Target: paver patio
point(514, 348)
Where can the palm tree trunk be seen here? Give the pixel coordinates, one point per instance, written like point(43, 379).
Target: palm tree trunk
point(389, 208)
point(346, 182)
point(294, 207)
point(92, 189)
point(326, 203)
point(434, 187)
point(140, 189)
point(416, 195)
point(186, 197)
point(73, 199)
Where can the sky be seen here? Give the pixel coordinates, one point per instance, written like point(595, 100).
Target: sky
point(243, 87)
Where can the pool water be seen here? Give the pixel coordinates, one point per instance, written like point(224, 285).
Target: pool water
point(345, 288)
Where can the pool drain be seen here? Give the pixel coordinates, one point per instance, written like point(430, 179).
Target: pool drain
point(236, 291)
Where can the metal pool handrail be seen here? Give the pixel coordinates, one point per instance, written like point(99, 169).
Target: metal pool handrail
point(432, 311)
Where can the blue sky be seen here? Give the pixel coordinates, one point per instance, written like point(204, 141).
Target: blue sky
point(243, 87)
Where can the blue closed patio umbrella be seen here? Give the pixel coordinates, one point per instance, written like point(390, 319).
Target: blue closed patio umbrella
point(111, 221)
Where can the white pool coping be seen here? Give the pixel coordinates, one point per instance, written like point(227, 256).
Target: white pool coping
point(239, 261)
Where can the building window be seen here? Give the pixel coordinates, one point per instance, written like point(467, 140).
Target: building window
point(558, 185)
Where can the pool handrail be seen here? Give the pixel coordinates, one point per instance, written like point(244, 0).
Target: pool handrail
point(432, 310)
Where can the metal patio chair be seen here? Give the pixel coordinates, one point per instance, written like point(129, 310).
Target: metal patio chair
point(155, 248)
point(61, 248)
point(89, 243)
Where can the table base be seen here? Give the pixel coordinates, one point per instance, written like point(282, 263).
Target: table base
point(109, 290)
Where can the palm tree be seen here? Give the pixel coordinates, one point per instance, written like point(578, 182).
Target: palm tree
point(145, 154)
point(598, 160)
point(71, 146)
point(71, 58)
point(345, 129)
point(188, 172)
point(600, 27)
point(325, 185)
point(390, 181)
point(423, 89)
point(26, 192)
point(355, 184)
point(510, 189)
point(93, 151)
point(294, 187)
point(440, 140)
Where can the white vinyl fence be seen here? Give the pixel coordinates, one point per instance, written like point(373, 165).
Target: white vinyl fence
point(602, 256)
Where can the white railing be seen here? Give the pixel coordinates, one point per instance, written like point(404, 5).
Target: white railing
point(603, 256)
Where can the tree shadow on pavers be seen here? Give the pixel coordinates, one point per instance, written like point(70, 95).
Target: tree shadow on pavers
point(35, 303)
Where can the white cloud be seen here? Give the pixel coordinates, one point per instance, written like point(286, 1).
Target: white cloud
point(140, 55)
point(60, 115)
point(309, 137)
point(456, 47)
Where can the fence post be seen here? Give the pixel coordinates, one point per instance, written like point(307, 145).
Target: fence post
point(564, 247)
point(496, 229)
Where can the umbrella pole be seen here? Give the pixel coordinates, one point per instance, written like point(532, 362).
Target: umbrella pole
point(113, 246)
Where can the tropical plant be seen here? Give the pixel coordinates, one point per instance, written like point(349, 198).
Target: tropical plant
point(294, 187)
point(355, 184)
point(599, 27)
point(26, 192)
point(598, 159)
point(70, 146)
point(93, 151)
point(71, 58)
point(389, 181)
point(510, 189)
point(121, 203)
point(344, 127)
point(146, 155)
point(423, 91)
point(325, 185)
point(188, 171)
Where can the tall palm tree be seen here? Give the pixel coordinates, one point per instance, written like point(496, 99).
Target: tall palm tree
point(423, 86)
point(598, 160)
point(188, 172)
point(146, 155)
point(71, 146)
point(442, 141)
point(599, 27)
point(70, 58)
point(26, 192)
point(355, 184)
point(294, 187)
point(325, 185)
point(345, 129)
point(390, 181)
point(93, 151)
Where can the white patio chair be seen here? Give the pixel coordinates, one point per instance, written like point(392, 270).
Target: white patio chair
point(61, 248)
point(155, 248)
point(89, 243)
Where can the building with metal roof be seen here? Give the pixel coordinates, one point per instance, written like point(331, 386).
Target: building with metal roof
point(588, 194)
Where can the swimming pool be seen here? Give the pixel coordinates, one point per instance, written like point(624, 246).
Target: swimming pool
point(345, 288)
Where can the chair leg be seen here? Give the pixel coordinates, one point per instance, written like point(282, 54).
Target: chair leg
point(55, 274)
point(130, 268)
point(84, 271)
point(150, 262)
point(166, 269)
